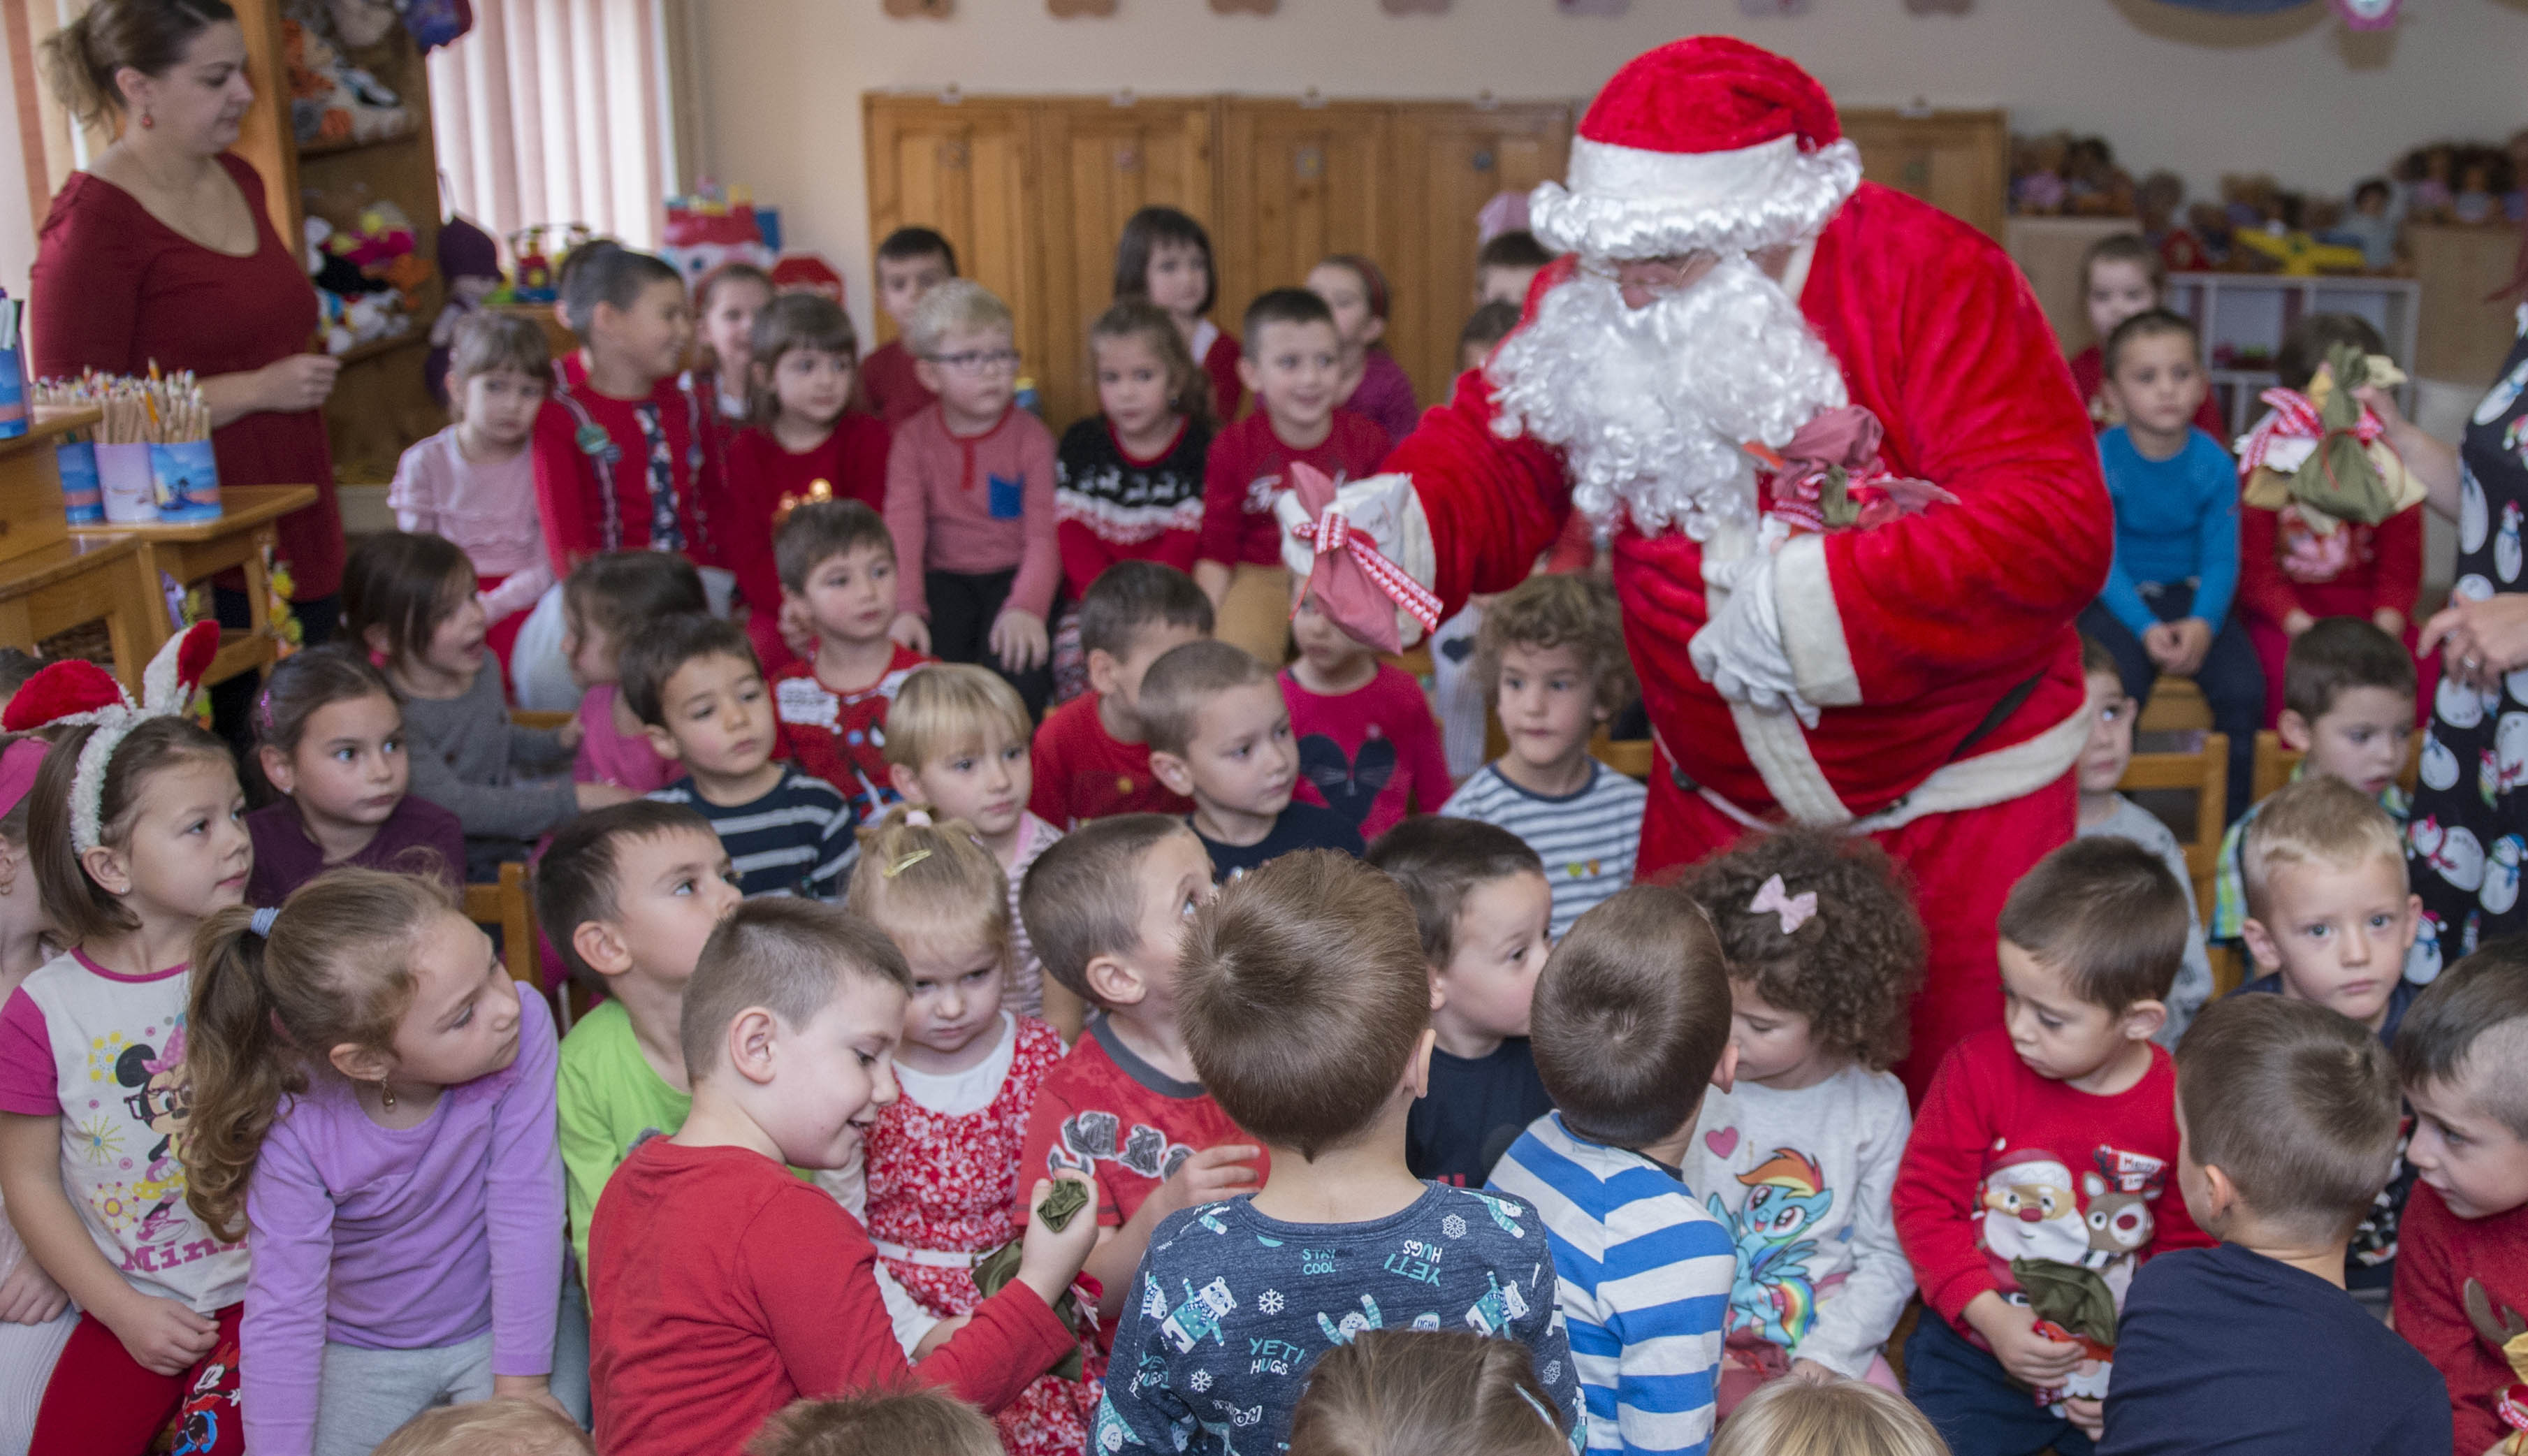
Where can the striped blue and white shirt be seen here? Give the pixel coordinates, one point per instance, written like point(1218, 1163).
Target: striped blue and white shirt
point(1587, 839)
point(1645, 1272)
point(794, 840)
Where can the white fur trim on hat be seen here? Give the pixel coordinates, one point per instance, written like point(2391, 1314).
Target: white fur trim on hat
point(1627, 202)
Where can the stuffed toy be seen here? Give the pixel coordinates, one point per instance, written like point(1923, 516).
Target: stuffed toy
point(2299, 254)
point(332, 100)
point(470, 261)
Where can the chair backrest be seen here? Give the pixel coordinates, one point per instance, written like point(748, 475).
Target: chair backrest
point(1629, 756)
point(2205, 772)
point(506, 905)
point(2275, 765)
point(530, 717)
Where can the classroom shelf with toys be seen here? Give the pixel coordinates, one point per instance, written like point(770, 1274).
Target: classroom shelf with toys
point(2243, 317)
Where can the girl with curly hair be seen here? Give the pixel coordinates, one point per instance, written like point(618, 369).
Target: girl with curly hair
point(1798, 1157)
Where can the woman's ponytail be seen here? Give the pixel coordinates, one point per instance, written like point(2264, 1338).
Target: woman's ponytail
point(238, 1065)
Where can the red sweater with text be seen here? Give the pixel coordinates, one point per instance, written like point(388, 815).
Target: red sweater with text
point(1250, 465)
point(2439, 1258)
point(1083, 773)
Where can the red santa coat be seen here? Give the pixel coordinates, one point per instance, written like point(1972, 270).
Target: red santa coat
point(1938, 648)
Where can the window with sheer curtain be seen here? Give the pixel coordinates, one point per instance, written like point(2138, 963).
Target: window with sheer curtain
point(557, 111)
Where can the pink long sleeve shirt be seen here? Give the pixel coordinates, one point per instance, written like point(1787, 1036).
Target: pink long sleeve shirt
point(488, 510)
point(973, 504)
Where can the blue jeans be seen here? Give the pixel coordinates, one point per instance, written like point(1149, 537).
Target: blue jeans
point(2232, 678)
point(1978, 1409)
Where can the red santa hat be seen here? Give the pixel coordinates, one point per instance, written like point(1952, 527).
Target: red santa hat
point(1704, 145)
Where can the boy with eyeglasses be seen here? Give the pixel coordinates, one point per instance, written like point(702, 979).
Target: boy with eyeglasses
point(970, 498)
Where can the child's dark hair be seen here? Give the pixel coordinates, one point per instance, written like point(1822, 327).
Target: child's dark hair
point(334, 969)
point(1188, 387)
point(734, 271)
point(2306, 344)
point(1081, 898)
point(2151, 323)
point(650, 661)
point(1515, 248)
point(149, 36)
point(1144, 232)
point(2334, 657)
point(1489, 325)
point(2372, 186)
point(79, 908)
point(1184, 680)
point(605, 271)
point(1549, 610)
point(1284, 306)
point(303, 682)
point(794, 321)
point(400, 585)
point(2126, 248)
point(910, 244)
point(785, 955)
point(620, 592)
point(575, 877)
point(1129, 597)
point(1438, 862)
point(1301, 994)
point(1631, 1016)
point(486, 340)
point(2095, 660)
point(904, 1421)
point(2295, 1103)
point(2469, 1029)
point(819, 531)
point(2107, 914)
point(1851, 968)
point(1417, 1393)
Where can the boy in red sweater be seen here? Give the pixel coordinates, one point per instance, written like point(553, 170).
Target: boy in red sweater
point(836, 560)
point(1293, 364)
point(2041, 1169)
point(1092, 755)
point(2462, 1249)
point(720, 1287)
point(910, 262)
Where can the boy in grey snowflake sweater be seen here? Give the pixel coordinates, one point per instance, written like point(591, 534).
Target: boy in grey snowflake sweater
point(1305, 1004)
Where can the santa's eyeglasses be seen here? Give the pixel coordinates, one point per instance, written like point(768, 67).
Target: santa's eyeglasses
point(1672, 274)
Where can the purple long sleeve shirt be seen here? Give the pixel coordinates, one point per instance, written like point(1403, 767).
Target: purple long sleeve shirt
point(402, 1238)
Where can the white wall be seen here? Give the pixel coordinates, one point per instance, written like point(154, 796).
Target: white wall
point(2292, 95)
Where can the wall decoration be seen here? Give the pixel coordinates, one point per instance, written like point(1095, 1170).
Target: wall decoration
point(2368, 15)
point(1232, 7)
point(1940, 7)
point(1065, 8)
point(1764, 10)
point(1592, 7)
point(906, 10)
point(1415, 7)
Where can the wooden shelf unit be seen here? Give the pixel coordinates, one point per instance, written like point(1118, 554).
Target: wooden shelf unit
point(2256, 309)
point(191, 551)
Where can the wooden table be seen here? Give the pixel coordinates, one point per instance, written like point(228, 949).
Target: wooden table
point(67, 583)
point(191, 551)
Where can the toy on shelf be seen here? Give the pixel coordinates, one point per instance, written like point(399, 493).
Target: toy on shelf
point(2296, 253)
point(2073, 175)
point(539, 261)
point(331, 100)
point(368, 277)
point(713, 226)
point(2466, 183)
point(808, 273)
point(470, 261)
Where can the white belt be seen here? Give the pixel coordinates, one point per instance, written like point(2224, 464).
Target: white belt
point(932, 1258)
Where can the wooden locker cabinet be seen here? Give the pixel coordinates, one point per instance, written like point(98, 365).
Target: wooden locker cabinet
point(1957, 160)
point(1298, 181)
point(968, 168)
point(1448, 160)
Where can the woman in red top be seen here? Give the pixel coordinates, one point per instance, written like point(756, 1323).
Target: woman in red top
point(162, 252)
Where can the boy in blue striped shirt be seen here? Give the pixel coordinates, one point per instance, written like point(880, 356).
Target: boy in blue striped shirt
point(1631, 1023)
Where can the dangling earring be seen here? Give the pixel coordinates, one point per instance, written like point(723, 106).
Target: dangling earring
point(148, 121)
point(386, 1095)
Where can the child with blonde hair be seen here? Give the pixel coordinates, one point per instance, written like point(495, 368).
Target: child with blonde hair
point(1407, 1393)
point(1827, 1418)
point(369, 1082)
point(913, 1421)
point(942, 1160)
point(507, 1426)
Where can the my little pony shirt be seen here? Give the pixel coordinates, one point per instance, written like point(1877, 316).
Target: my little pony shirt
point(1803, 1179)
point(105, 1052)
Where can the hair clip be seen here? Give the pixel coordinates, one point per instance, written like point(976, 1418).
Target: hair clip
point(917, 819)
point(1537, 1406)
point(261, 924)
point(1795, 911)
point(905, 863)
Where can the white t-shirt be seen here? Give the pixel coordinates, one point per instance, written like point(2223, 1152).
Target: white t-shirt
point(960, 1094)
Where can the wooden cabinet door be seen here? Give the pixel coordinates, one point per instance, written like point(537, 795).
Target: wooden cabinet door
point(1957, 160)
point(1448, 160)
point(965, 169)
point(1098, 162)
point(1297, 181)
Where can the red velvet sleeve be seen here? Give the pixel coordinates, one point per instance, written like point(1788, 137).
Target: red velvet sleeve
point(83, 304)
point(566, 491)
point(2263, 591)
point(1493, 504)
point(2397, 569)
point(1935, 1198)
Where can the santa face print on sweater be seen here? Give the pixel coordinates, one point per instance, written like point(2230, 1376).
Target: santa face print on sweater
point(2064, 1246)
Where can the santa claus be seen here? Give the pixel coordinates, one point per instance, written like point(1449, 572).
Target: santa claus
point(1853, 498)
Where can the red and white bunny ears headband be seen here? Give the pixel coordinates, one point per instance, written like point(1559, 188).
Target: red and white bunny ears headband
point(73, 693)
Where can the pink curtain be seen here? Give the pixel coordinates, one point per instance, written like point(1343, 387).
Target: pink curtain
point(557, 111)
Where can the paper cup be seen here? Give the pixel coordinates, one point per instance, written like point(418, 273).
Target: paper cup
point(82, 503)
point(186, 478)
point(123, 477)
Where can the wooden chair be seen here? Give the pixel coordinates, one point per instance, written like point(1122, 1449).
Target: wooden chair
point(506, 906)
point(1629, 756)
point(2275, 765)
point(2206, 773)
point(2176, 706)
point(528, 717)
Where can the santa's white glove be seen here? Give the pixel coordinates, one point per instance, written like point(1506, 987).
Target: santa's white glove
point(1740, 651)
point(1382, 507)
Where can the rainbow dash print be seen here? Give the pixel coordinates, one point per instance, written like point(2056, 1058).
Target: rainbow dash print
point(1774, 1295)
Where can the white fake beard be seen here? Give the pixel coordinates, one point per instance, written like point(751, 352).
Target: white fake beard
point(1651, 405)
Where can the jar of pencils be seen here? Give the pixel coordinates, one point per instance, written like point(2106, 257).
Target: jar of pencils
point(153, 444)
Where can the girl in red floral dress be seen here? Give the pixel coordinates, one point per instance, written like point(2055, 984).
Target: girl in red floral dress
point(942, 1160)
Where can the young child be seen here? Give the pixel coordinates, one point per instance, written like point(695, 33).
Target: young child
point(2121, 276)
point(1798, 1153)
point(1484, 328)
point(1481, 905)
point(910, 262)
point(805, 444)
point(2106, 813)
point(1385, 1392)
point(1367, 744)
point(370, 1082)
point(970, 498)
point(1164, 258)
point(727, 301)
point(36, 1316)
point(1092, 754)
point(721, 1287)
point(329, 737)
point(2462, 1277)
point(1292, 363)
point(1129, 486)
point(838, 574)
point(1551, 657)
point(1307, 1006)
point(475, 480)
point(2348, 712)
point(1506, 264)
point(2290, 577)
point(410, 600)
point(913, 1421)
point(1372, 384)
point(619, 444)
point(610, 599)
point(943, 1159)
point(489, 1428)
point(2038, 1174)
point(957, 745)
point(694, 684)
point(1827, 1418)
point(1107, 908)
point(1631, 1023)
point(2287, 1126)
point(135, 831)
point(1220, 735)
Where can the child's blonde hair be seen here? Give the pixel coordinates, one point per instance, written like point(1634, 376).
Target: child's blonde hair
point(947, 708)
point(958, 303)
point(1406, 1392)
point(922, 881)
point(2319, 819)
point(912, 1420)
point(488, 1428)
point(333, 968)
point(1836, 1418)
